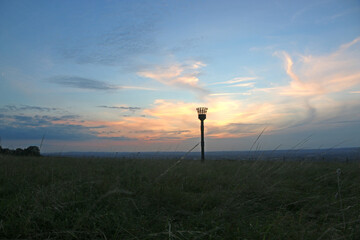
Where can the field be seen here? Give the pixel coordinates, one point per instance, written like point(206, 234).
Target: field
point(93, 198)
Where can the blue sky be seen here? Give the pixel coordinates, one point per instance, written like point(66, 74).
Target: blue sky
point(128, 75)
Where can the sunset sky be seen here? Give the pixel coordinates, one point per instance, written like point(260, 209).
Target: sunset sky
point(128, 75)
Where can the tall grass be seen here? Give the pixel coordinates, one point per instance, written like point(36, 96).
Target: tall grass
point(75, 198)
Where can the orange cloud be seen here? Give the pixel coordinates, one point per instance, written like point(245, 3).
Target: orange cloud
point(249, 84)
point(319, 75)
point(185, 76)
point(305, 100)
point(235, 80)
point(177, 120)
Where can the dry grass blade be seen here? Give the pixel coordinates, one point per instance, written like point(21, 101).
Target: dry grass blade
point(176, 163)
point(302, 142)
point(109, 193)
point(42, 141)
point(257, 139)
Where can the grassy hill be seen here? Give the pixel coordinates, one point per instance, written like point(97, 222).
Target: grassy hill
point(84, 198)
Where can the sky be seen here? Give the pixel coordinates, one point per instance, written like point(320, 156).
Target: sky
point(128, 75)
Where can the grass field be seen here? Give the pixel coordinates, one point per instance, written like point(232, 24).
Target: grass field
point(68, 198)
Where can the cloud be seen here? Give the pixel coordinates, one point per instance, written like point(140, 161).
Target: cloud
point(250, 84)
point(187, 44)
point(313, 97)
point(34, 120)
point(348, 45)
point(139, 88)
point(304, 12)
point(91, 84)
point(121, 42)
point(235, 80)
point(183, 76)
point(331, 18)
point(83, 83)
point(174, 121)
point(14, 108)
point(65, 128)
point(177, 120)
point(134, 38)
point(316, 96)
point(321, 75)
point(121, 108)
point(57, 132)
point(230, 94)
point(118, 138)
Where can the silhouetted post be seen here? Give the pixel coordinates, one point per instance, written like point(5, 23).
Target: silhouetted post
point(202, 116)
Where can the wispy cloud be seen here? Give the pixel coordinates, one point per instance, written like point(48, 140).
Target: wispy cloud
point(230, 94)
point(63, 128)
point(187, 44)
point(119, 44)
point(120, 108)
point(178, 75)
point(350, 44)
point(16, 108)
point(139, 88)
point(320, 75)
point(341, 14)
point(91, 84)
point(235, 80)
point(83, 83)
point(17, 120)
point(250, 84)
point(308, 8)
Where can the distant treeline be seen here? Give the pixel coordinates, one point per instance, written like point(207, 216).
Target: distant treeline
point(30, 151)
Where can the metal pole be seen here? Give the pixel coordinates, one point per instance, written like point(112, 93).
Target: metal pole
point(202, 142)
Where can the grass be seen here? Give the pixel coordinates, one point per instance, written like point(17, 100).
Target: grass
point(83, 198)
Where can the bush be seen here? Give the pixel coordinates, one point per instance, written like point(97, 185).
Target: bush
point(30, 151)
